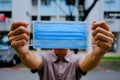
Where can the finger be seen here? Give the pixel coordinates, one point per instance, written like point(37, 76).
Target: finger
point(18, 31)
point(93, 41)
point(104, 45)
point(17, 24)
point(102, 31)
point(19, 37)
point(102, 25)
point(94, 22)
point(104, 38)
point(17, 44)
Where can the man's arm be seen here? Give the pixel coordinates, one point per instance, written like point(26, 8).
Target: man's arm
point(31, 60)
point(102, 42)
point(19, 39)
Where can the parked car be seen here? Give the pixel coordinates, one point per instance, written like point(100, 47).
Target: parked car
point(8, 56)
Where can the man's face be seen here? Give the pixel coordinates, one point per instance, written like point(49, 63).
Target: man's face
point(60, 52)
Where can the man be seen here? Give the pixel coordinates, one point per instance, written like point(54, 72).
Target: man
point(61, 64)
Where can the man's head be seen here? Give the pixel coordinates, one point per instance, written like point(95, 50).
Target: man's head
point(60, 52)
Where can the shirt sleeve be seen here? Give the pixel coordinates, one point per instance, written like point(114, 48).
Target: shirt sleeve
point(81, 72)
point(34, 70)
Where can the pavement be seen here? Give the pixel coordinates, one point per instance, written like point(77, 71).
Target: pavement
point(25, 74)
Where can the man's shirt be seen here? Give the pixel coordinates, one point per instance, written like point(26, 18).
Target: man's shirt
point(54, 68)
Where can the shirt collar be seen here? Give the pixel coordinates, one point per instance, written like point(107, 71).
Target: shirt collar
point(55, 58)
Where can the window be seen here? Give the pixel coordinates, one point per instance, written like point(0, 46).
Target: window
point(34, 17)
point(8, 14)
point(5, 1)
point(70, 18)
point(42, 18)
point(34, 2)
point(45, 17)
point(70, 2)
point(45, 2)
point(109, 1)
point(5, 5)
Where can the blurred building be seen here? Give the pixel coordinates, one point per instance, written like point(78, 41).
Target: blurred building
point(28, 10)
point(112, 17)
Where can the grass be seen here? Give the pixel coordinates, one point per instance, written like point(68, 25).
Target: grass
point(111, 58)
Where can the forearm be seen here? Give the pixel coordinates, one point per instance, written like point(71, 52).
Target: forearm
point(89, 62)
point(19, 37)
point(30, 60)
point(102, 41)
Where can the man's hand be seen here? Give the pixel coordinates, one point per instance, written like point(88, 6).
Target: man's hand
point(102, 38)
point(102, 42)
point(19, 37)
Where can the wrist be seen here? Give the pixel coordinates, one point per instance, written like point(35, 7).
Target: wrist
point(23, 55)
point(98, 55)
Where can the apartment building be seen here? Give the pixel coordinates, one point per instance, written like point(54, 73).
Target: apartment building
point(29, 10)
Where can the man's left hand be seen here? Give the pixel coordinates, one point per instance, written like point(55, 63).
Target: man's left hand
point(102, 38)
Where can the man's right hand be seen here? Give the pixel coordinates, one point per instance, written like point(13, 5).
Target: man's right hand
point(19, 37)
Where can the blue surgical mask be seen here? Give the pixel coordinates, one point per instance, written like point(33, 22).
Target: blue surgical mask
point(53, 34)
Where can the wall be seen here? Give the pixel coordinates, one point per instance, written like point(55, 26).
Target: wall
point(20, 10)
